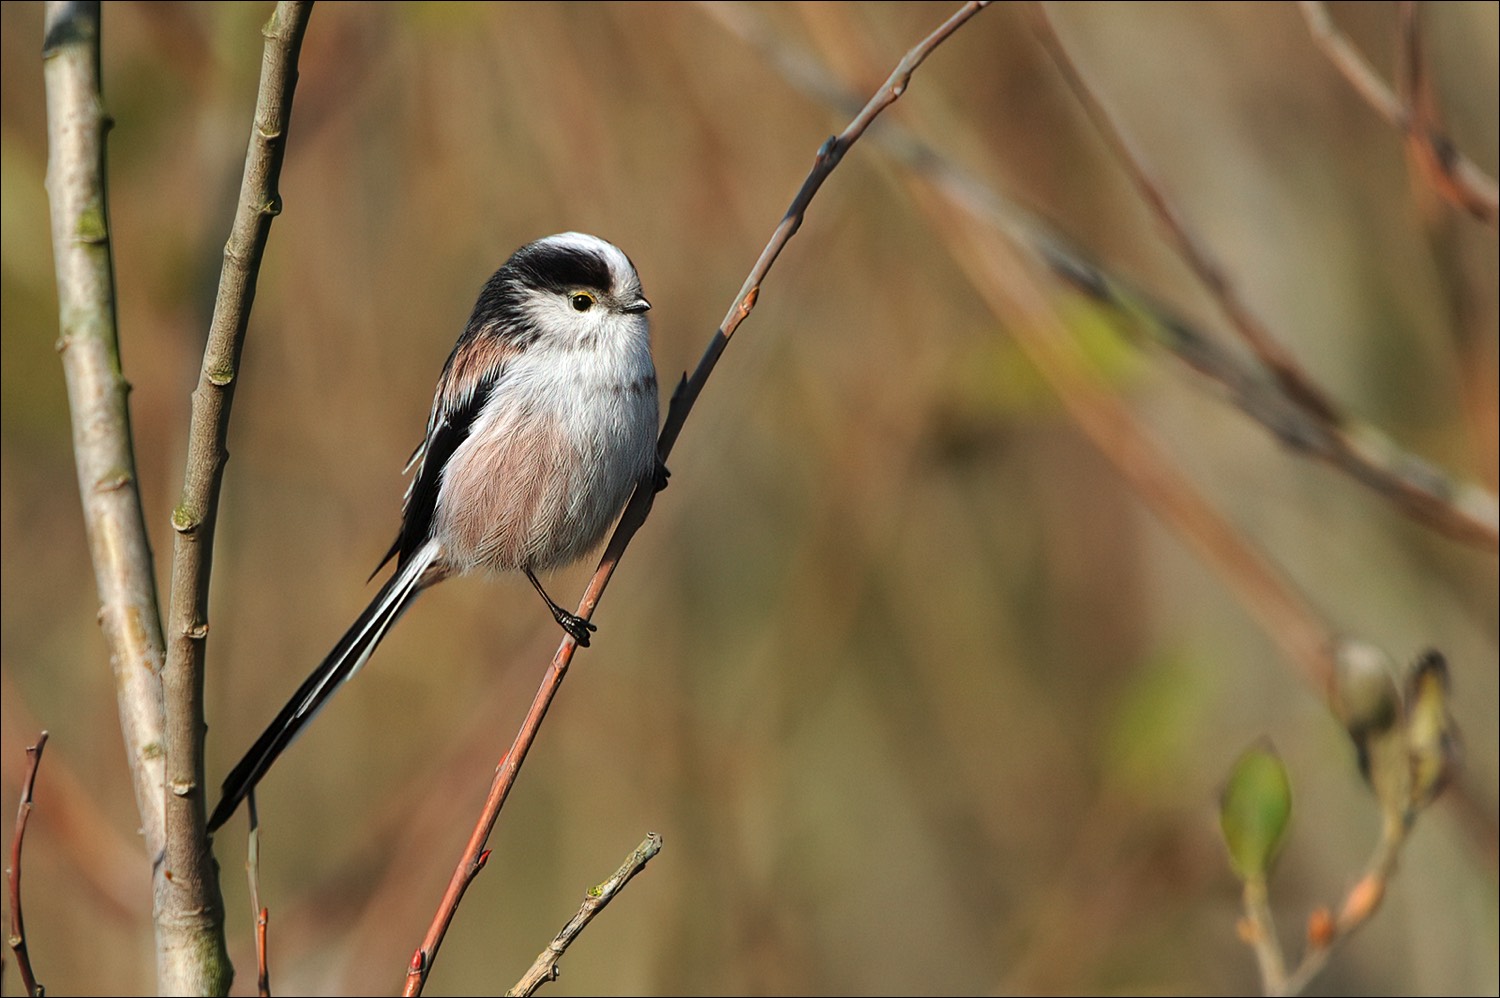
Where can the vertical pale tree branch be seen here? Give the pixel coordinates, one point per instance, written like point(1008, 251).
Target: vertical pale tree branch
point(160, 695)
point(192, 898)
point(97, 396)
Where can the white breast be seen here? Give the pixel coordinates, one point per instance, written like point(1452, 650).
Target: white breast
point(564, 437)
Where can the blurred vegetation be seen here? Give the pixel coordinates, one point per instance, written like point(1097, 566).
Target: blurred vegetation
point(920, 696)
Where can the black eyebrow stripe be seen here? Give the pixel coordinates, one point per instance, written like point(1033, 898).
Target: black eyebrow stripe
point(558, 268)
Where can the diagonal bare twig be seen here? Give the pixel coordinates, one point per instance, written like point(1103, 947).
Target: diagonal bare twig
point(1437, 158)
point(1463, 512)
point(1210, 271)
point(683, 400)
point(1454, 507)
point(1012, 284)
point(1011, 279)
point(544, 969)
point(13, 872)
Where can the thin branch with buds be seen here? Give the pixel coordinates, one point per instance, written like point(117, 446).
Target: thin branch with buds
point(1407, 744)
point(193, 885)
point(194, 517)
point(544, 968)
point(13, 872)
point(1325, 930)
point(683, 400)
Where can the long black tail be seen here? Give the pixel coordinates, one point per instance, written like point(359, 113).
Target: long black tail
point(352, 651)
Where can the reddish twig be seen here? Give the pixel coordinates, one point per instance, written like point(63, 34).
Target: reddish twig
point(105, 861)
point(262, 913)
point(683, 400)
point(13, 874)
point(263, 973)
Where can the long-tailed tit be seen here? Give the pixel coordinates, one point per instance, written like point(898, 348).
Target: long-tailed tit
point(543, 422)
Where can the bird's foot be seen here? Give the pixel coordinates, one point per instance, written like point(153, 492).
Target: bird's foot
point(576, 626)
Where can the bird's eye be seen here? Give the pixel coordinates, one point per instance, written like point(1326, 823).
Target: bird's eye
point(582, 301)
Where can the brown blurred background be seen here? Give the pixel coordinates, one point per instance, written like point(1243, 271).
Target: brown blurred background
point(921, 697)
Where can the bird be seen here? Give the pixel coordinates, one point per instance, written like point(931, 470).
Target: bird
point(543, 422)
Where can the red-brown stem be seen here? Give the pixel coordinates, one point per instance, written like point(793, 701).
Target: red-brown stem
point(17, 923)
point(683, 399)
point(263, 971)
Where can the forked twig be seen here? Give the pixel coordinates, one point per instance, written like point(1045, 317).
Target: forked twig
point(638, 509)
point(1438, 159)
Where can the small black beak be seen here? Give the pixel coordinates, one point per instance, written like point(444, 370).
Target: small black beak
point(636, 307)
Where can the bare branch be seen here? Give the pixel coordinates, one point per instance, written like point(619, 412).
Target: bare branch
point(103, 859)
point(192, 888)
point(1420, 490)
point(98, 396)
point(639, 507)
point(545, 969)
point(13, 873)
point(1213, 275)
point(1012, 285)
point(1437, 158)
point(1367, 455)
point(1348, 61)
point(1458, 509)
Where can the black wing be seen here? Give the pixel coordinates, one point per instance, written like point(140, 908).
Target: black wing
point(471, 373)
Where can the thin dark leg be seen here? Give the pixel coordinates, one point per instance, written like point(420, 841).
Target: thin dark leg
point(570, 622)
